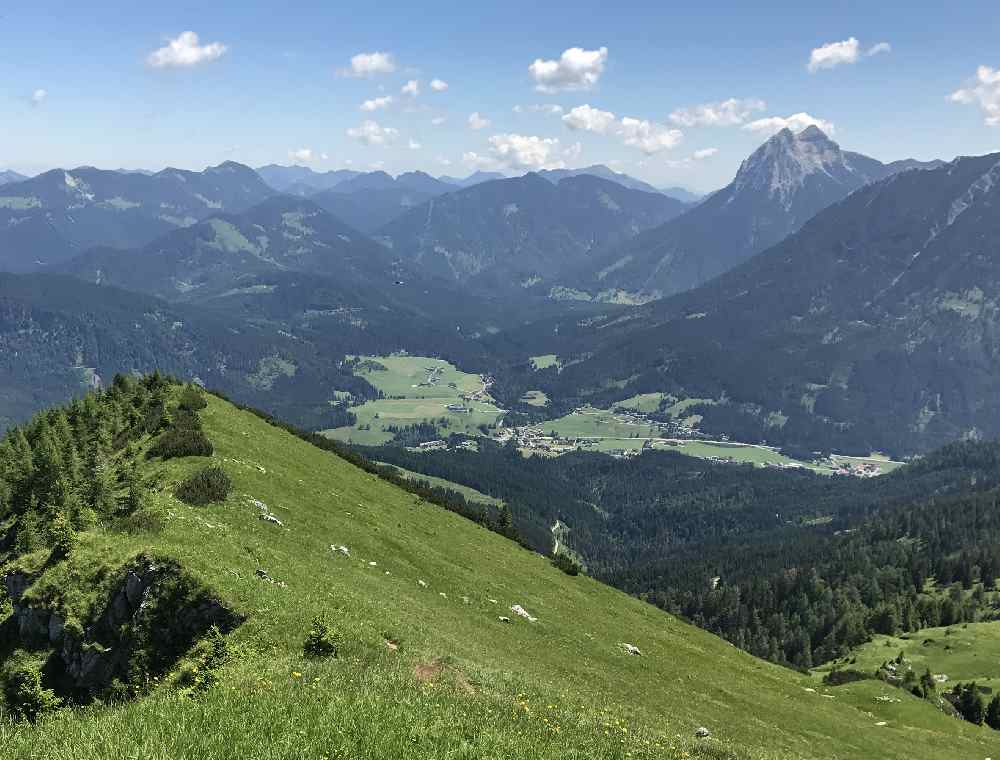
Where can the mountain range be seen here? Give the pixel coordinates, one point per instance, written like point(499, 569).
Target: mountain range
point(782, 185)
point(58, 214)
point(599, 170)
point(369, 201)
point(875, 327)
point(521, 233)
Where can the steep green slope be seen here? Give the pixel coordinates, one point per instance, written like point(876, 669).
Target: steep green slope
point(456, 682)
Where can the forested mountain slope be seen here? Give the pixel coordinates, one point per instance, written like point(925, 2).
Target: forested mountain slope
point(873, 328)
point(424, 666)
point(782, 185)
point(509, 235)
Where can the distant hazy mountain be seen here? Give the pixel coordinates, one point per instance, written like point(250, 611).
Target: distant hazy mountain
point(369, 201)
point(147, 172)
point(281, 178)
point(60, 213)
point(476, 178)
point(7, 176)
point(783, 184)
point(681, 194)
point(520, 233)
point(599, 170)
point(876, 326)
point(219, 253)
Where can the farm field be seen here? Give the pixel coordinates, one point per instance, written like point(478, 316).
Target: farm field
point(611, 431)
point(599, 422)
point(417, 389)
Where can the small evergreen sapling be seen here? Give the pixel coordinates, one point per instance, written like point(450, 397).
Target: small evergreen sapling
point(322, 640)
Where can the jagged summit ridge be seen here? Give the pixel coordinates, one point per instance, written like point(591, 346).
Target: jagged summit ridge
point(782, 165)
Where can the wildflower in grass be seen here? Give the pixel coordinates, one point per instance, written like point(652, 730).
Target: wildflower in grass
point(296, 674)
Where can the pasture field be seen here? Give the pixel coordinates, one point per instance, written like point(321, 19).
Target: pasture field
point(588, 421)
point(545, 361)
point(417, 389)
point(646, 403)
point(535, 398)
point(963, 652)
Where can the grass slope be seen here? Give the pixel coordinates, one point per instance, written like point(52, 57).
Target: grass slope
point(964, 652)
point(461, 684)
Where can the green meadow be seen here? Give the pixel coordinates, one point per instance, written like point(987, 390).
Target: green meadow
point(417, 389)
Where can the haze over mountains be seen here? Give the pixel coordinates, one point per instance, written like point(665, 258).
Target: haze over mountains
point(59, 214)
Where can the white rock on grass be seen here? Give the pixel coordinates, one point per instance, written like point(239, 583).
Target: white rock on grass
point(517, 609)
point(631, 649)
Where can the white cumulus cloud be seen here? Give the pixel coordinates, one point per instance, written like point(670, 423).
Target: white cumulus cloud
point(372, 133)
point(301, 156)
point(185, 51)
point(983, 91)
point(648, 136)
point(414, 145)
point(519, 153)
point(38, 97)
point(726, 113)
point(576, 69)
point(439, 85)
point(550, 109)
point(437, 121)
point(834, 54)
point(590, 119)
point(376, 103)
point(795, 122)
point(411, 88)
point(688, 161)
point(365, 65)
point(477, 121)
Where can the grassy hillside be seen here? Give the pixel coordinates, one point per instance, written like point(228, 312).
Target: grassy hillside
point(426, 669)
point(966, 652)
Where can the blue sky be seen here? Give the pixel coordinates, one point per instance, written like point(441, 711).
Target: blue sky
point(82, 83)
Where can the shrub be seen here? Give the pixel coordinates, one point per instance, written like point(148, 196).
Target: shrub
point(62, 536)
point(23, 692)
point(567, 564)
point(198, 673)
point(205, 486)
point(182, 442)
point(322, 640)
point(840, 677)
point(146, 520)
point(192, 399)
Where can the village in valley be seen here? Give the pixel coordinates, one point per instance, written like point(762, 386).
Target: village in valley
point(420, 389)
